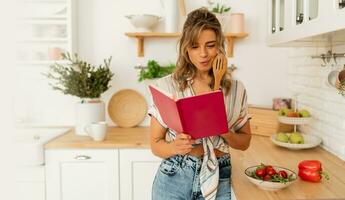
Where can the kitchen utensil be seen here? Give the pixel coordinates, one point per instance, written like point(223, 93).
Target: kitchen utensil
point(269, 185)
point(219, 67)
point(127, 108)
point(310, 141)
point(332, 78)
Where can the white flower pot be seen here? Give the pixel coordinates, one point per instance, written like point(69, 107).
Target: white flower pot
point(88, 112)
point(224, 20)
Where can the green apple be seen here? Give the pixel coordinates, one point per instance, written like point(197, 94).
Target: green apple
point(282, 137)
point(283, 111)
point(304, 113)
point(296, 138)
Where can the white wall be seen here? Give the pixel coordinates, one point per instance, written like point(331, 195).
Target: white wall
point(307, 80)
point(101, 26)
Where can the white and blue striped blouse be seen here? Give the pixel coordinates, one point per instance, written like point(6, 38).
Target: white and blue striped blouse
point(237, 115)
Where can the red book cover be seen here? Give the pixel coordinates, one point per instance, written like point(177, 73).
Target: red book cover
point(199, 116)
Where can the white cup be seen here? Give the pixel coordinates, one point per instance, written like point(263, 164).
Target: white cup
point(97, 130)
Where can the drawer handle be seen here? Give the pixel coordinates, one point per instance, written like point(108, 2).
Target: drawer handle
point(82, 157)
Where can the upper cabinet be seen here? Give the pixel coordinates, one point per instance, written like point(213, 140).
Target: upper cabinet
point(45, 30)
point(305, 22)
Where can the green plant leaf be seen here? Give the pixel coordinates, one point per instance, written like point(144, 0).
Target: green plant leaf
point(154, 70)
point(80, 78)
point(220, 9)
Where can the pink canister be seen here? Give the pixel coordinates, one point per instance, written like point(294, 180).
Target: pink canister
point(237, 23)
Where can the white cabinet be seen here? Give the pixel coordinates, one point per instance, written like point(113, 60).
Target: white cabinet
point(137, 171)
point(302, 22)
point(45, 30)
point(86, 174)
point(30, 182)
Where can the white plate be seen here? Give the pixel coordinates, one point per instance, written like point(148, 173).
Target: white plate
point(310, 141)
point(294, 120)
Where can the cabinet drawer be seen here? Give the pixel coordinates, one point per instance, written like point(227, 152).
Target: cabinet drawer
point(71, 155)
point(265, 122)
point(86, 174)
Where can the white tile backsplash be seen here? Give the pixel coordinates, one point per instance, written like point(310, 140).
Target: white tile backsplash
point(307, 79)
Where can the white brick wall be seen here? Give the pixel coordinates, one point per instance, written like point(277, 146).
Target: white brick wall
point(306, 78)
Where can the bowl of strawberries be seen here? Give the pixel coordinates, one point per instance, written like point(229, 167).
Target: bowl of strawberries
point(270, 177)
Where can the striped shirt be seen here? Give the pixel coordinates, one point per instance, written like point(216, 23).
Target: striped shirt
point(237, 115)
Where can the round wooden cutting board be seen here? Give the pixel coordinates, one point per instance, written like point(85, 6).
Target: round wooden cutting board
point(127, 108)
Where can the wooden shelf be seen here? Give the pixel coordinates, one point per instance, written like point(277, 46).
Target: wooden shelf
point(231, 37)
point(141, 36)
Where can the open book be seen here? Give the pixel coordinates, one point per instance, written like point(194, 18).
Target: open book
point(199, 116)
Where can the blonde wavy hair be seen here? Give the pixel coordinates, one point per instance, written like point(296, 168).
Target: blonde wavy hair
point(197, 21)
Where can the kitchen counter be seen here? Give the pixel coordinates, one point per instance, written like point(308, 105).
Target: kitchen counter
point(138, 137)
point(261, 150)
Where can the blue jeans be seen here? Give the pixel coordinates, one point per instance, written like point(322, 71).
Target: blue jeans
point(178, 179)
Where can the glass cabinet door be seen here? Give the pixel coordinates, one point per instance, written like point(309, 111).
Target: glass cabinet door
point(278, 15)
point(273, 17)
point(281, 15)
point(341, 4)
point(313, 9)
point(299, 11)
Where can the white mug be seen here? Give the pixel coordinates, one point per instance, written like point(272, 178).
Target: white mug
point(97, 130)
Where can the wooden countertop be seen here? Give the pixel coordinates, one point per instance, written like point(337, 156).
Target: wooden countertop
point(262, 150)
point(138, 137)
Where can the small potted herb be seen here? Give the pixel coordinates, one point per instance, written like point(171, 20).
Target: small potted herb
point(81, 79)
point(154, 71)
point(220, 9)
point(222, 13)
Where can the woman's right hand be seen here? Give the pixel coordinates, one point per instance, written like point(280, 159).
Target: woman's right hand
point(182, 144)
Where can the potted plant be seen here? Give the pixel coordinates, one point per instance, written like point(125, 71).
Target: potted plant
point(222, 13)
point(81, 79)
point(154, 71)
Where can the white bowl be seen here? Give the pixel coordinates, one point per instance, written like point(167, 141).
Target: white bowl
point(269, 185)
point(144, 22)
point(294, 120)
point(310, 141)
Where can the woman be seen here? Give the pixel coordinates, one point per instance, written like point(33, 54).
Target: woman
point(198, 169)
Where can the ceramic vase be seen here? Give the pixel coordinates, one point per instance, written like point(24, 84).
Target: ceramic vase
point(87, 112)
point(224, 20)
